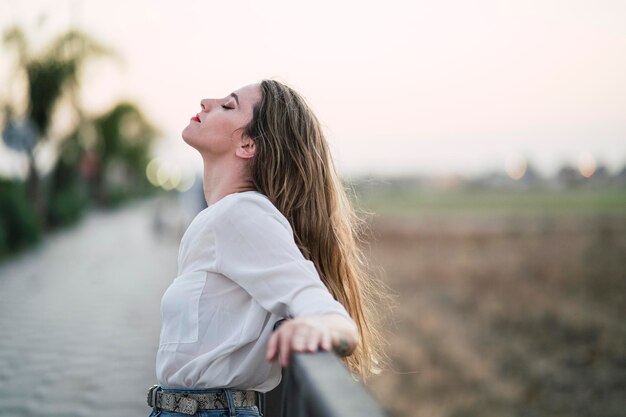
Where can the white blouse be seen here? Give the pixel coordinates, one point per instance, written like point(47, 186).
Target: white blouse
point(239, 272)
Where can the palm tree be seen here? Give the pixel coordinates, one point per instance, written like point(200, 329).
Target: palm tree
point(49, 75)
point(123, 138)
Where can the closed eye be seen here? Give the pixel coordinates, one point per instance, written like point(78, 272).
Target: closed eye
point(229, 103)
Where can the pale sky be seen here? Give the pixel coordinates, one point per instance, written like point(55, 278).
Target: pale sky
point(433, 87)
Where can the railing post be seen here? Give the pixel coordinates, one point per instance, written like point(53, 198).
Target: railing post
point(319, 385)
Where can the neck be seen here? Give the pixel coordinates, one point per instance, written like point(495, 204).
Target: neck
point(221, 178)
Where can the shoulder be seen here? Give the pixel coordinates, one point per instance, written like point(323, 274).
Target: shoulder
point(249, 203)
point(245, 208)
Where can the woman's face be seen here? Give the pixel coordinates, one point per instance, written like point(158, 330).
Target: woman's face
point(218, 128)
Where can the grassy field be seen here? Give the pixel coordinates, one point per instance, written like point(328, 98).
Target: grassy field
point(413, 200)
point(507, 304)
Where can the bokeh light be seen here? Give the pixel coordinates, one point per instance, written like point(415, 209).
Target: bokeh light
point(515, 166)
point(586, 164)
point(169, 175)
point(151, 171)
point(187, 181)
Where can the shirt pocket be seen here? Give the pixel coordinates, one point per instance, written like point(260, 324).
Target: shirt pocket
point(180, 309)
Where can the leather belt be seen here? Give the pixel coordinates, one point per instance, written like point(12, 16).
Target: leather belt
point(186, 402)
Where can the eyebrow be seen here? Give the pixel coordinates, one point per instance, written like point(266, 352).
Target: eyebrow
point(236, 97)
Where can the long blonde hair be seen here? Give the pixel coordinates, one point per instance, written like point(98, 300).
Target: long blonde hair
point(293, 167)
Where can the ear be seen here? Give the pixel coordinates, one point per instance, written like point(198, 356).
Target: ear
point(246, 148)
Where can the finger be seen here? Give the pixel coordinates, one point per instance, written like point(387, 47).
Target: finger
point(285, 348)
point(314, 342)
point(327, 342)
point(298, 342)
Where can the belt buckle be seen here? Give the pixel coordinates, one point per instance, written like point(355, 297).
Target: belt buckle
point(150, 392)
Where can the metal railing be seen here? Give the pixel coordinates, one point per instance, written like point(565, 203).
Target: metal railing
point(319, 385)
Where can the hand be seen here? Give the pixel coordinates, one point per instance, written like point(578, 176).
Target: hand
point(309, 333)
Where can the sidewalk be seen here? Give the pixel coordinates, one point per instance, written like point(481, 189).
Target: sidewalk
point(79, 317)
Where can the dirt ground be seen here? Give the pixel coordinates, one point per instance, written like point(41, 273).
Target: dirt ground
point(503, 315)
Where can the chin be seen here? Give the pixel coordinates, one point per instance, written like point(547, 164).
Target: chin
point(187, 136)
point(192, 139)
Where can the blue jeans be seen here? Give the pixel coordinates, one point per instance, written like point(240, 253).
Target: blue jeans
point(231, 411)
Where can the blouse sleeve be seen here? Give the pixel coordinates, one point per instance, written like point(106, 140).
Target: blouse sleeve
point(256, 249)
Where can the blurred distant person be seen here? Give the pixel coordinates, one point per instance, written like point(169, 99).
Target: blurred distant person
point(276, 244)
point(192, 201)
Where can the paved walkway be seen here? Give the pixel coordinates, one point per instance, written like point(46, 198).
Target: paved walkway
point(79, 317)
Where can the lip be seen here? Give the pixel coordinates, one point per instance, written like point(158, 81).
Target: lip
point(196, 118)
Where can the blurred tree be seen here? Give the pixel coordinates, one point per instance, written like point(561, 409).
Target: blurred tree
point(531, 176)
point(568, 176)
point(19, 224)
point(48, 75)
point(69, 196)
point(601, 173)
point(620, 177)
point(117, 165)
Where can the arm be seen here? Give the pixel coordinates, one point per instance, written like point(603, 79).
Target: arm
point(256, 249)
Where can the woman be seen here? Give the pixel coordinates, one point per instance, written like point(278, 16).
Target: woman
point(277, 241)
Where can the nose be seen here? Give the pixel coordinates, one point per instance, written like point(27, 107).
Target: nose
point(206, 104)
